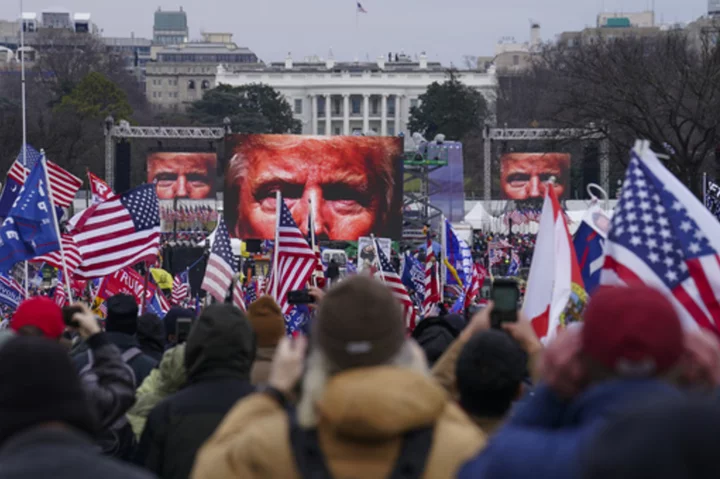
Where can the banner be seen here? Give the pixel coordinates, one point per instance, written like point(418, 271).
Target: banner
point(523, 176)
point(366, 252)
point(9, 295)
point(126, 281)
point(183, 175)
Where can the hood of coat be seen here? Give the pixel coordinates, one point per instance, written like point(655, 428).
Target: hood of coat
point(172, 370)
point(221, 343)
point(380, 402)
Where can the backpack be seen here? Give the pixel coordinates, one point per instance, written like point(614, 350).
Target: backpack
point(118, 440)
point(311, 463)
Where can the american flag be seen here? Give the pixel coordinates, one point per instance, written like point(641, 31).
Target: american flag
point(64, 184)
point(662, 235)
point(475, 285)
point(296, 261)
point(392, 280)
point(180, 288)
point(71, 252)
point(11, 283)
point(432, 289)
point(119, 232)
point(60, 295)
point(221, 265)
point(251, 293)
point(238, 297)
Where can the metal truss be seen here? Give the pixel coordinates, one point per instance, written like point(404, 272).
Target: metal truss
point(529, 134)
point(123, 130)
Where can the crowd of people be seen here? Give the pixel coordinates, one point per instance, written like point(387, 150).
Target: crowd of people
point(628, 393)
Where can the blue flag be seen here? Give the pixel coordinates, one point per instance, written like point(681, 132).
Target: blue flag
point(29, 230)
point(10, 295)
point(455, 256)
point(589, 245)
point(297, 320)
point(13, 183)
point(413, 277)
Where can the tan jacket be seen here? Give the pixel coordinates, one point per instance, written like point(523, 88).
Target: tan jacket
point(363, 416)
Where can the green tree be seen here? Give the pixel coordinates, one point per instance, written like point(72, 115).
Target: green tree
point(254, 108)
point(96, 97)
point(451, 108)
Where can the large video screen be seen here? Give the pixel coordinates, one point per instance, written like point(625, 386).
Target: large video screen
point(354, 184)
point(183, 175)
point(524, 176)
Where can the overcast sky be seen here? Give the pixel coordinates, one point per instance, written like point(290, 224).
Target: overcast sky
point(446, 29)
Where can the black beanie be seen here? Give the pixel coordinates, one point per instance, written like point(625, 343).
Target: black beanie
point(122, 314)
point(39, 384)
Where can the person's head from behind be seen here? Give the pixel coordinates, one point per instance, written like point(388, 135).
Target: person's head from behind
point(665, 438)
point(221, 338)
point(490, 372)
point(359, 324)
point(122, 314)
point(267, 321)
point(151, 328)
point(38, 316)
point(40, 387)
point(177, 321)
point(631, 332)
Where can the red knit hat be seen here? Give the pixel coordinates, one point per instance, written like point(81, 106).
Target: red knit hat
point(42, 313)
point(633, 331)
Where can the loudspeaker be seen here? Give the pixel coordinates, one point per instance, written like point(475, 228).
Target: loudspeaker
point(252, 246)
point(122, 166)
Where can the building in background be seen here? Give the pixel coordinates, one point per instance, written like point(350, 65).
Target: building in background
point(170, 27)
point(179, 74)
point(512, 56)
point(343, 98)
point(611, 26)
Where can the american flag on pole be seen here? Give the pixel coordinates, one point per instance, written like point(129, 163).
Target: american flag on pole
point(12, 284)
point(60, 296)
point(661, 235)
point(238, 297)
point(72, 255)
point(119, 232)
point(432, 288)
point(180, 288)
point(392, 280)
point(296, 260)
point(64, 184)
point(475, 285)
point(221, 265)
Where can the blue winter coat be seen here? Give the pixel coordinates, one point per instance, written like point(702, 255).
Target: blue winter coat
point(545, 436)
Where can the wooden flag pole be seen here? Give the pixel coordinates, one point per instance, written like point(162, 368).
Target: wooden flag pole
point(145, 287)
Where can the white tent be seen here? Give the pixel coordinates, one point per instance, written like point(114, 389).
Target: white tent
point(478, 217)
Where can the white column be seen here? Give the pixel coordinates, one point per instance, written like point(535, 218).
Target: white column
point(383, 118)
point(346, 114)
point(328, 123)
point(314, 119)
point(397, 115)
point(366, 113)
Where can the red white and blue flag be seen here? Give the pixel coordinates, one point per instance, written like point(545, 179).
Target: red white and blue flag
point(390, 277)
point(180, 289)
point(663, 236)
point(221, 265)
point(431, 297)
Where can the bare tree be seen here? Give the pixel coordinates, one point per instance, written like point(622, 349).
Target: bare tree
point(665, 89)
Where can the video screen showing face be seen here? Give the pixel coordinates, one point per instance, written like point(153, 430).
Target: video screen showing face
point(354, 184)
point(183, 175)
point(524, 176)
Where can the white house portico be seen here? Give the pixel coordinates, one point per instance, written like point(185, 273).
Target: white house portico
point(343, 98)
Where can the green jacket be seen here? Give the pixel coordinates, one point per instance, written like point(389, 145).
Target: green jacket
point(163, 381)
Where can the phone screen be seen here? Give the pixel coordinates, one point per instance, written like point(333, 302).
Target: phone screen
point(505, 298)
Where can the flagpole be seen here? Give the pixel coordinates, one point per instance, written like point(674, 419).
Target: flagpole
point(24, 117)
point(145, 287)
point(376, 247)
point(705, 189)
point(276, 252)
point(57, 228)
point(311, 229)
point(443, 257)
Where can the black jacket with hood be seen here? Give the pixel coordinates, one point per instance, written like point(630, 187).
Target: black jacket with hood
point(218, 357)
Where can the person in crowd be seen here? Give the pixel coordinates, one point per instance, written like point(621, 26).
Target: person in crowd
point(525, 175)
point(218, 357)
point(183, 175)
point(151, 335)
point(349, 182)
point(47, 424)
point(109, 383)
point(630, 349)
point(268, 322)
point(333, 272)
point(170, 322)
point(667, 439)
point(367, 405)
point(163, 381)
point(120, 330)
point(436, 334)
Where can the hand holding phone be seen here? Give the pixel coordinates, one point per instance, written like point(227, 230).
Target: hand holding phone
point(300, 297)
point(505, 295)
